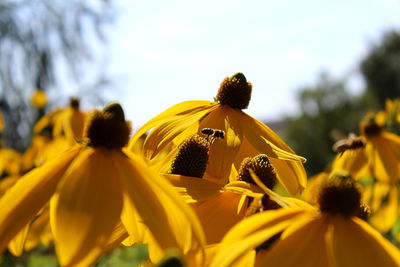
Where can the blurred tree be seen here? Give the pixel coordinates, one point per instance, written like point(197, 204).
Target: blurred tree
point(381, 68)
point(39, 39)
point(328, 113)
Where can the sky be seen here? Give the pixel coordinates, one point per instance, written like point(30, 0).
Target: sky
point(166, 52)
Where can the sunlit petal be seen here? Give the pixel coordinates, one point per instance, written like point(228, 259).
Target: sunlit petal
point(163, 135)
point(385, 216)
point(250, 233)
point(291, 173)
point(295, 249)
point(178, 109)
point(171, 222)
point(355, 243)
point(86, 208)
point(193, 189)
point(218, 214)
point(223, 151)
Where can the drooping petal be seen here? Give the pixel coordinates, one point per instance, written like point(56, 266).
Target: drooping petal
point(218, 214)
point(305, 247)
point(283, 202)
point(164, 134)
point(39, 230)
point(385, 160)
point(193, 189)
point(187, 107)
point(223, 151)
point(385, 216)
point(171, 222)
point(355, 162)
point(86, 207)
point(16, 245)
point(355, 243)
point(240, 187)
point(291, 173)
point(23, 201)
point(250, 233)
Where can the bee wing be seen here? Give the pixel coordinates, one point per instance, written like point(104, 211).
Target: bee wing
point(336, 146)
point(352, 136)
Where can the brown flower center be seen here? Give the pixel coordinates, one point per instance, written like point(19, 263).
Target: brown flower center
point(235, 92)
point(262, 167)
point(369, 127)
point(192, 156)
point(340, 195)
point(108, 128)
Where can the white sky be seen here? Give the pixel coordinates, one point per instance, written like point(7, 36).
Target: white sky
point(165, 52)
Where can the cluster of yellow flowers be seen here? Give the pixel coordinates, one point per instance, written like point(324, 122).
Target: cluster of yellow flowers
point(200, 179)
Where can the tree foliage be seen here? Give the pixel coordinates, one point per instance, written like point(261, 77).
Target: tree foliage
point(381, 68)
point(328, 113)
point(39, 39)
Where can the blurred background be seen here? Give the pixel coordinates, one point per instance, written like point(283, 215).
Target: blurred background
point(317, 67)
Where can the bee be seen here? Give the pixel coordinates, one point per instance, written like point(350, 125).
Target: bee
point(219, 134)
point(213, 134)
point(207, 131)
point(352, 142)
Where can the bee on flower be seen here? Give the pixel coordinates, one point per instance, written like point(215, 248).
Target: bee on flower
point(244, 135)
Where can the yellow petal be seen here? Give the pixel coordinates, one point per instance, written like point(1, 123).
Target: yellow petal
point(353, 161)
point(240, 187)
point(23, 201)
point(385, 216)
point(292, 174)
point(223, 151)
point(16, 245)
point(250, 233)
point(385, 160)
point(355, 243)
point(171, 221)
point(218, 214)
point(305, 247)
point(283, 202)
point(39, 231)
point(380, 191)
point(163, 134)
point(181, 108)
point(86, 207)
point(193, 189)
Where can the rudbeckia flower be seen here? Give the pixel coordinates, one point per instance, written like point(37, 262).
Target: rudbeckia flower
point(245, 136)
point(390, 117)
point(374, 156)
point(91, 188)
point(70, 123)
point(220, 207)
point(330, 236)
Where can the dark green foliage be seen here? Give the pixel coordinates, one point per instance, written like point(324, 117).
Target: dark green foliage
point(381, 68)
point(328, 113)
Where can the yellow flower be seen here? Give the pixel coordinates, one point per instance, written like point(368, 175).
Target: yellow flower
point(70, 123)
point(220, 207)
point(39, 99)
point(10, 162)
point(244, 135)
point(91, 188)
point(306, 237)
point(376, 161)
